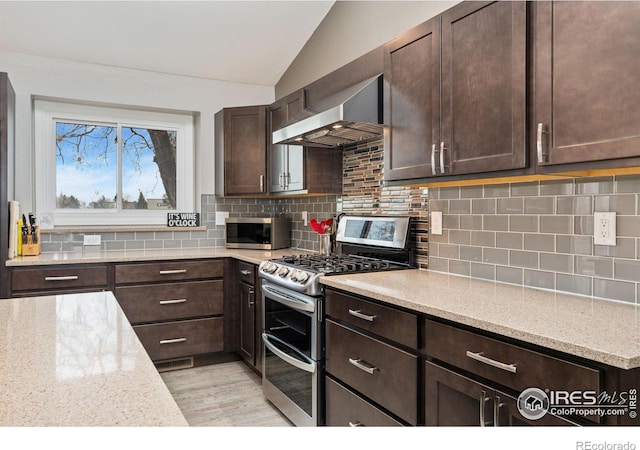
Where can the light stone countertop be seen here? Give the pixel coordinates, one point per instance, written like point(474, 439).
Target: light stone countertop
point(599, 330)
point(74, 360)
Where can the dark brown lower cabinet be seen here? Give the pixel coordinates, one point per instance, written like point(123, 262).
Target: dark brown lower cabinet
point(452, 399)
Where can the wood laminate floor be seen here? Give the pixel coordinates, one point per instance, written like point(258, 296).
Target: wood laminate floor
point(224, 395)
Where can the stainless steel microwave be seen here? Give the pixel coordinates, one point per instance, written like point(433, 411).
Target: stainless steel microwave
point(263, 233)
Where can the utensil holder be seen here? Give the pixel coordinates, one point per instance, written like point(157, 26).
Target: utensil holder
point(31, 249)
point(325, 244)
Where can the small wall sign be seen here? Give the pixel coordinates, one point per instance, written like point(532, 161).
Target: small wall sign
point(183, 220)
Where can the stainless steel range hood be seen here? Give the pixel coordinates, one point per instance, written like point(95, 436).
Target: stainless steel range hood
point(348, 117)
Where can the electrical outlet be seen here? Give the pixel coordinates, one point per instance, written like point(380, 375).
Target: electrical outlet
point(436, 223)
point(305, 218)
point(92, 239)
point(221, 217)
point(604, 228)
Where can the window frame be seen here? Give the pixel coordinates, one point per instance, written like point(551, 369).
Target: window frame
point(48, 112)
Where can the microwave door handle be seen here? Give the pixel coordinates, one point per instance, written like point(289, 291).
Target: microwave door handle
point(308, 365)
point(288, 300)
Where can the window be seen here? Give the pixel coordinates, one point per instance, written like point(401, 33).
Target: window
point(107, 166)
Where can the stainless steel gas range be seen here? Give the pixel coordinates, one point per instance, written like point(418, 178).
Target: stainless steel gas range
point(292, 305)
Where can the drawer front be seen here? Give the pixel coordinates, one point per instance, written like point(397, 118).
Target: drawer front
point(346, 408)
point(61, 277)
point(168, 271)
point(246, 273)
point(399, 326)
point(184, 338)
point(383, 373)
point(171, 301)
point(519, 368)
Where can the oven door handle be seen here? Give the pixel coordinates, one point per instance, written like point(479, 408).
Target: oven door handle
point(288, 299)
point(308, 365)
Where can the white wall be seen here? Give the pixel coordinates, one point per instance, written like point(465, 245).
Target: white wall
point(351, 29)
point(48, 77)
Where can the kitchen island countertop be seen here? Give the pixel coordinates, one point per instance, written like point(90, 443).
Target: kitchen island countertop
point(599, 330)
point(74, 360)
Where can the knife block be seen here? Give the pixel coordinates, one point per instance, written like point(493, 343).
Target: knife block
point(31, 249)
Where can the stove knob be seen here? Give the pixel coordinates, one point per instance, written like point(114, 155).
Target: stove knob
point(270, 267)
point(302, 277)
point(283, 271)
point(294, 274)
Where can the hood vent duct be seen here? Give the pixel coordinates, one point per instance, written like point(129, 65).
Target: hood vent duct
point(349, 117)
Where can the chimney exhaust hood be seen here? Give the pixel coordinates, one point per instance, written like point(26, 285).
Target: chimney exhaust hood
point(351, 116)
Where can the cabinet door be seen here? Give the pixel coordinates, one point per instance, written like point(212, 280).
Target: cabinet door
point(295, 168)
point(412, 102)
point(483, 88)
point(278, 167)
point(454, 400)
point(247, 322)
point(587, 73)
point(509, 416)
point(245, 150)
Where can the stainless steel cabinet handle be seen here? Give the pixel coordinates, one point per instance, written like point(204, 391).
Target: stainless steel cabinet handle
point(359, 315)
point(67, 278)
point(483, 400)
point(251, 297)
point(496, 411)
point(287, 180)
point(173, 341)
point(173, 302)
point(492, 362)
point(245, 272)
point(280, 182)
point(433, 160)
point(355, 424)
point(442, 149)
point(261, 183)
point(542, 153)
point(170, 272)
point(363, 366)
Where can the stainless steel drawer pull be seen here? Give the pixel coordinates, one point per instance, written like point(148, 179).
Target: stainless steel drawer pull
point(492, 362)
point(433, 160)
point(362, 365)
point(67, 278)
point(483, 400)
point(245, 272)
point(359, 315)
point(173, 341)
point(355, 424)
point(173, 302)
point(540, 147)
point(496, 411)
point(442, 149)
point(169, 272)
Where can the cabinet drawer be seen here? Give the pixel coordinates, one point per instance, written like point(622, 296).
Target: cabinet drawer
point(518, 368)
point(52, 278)
point(379, 371)
point(345, 408)
point(246, 273)
point(399, 326)
point(171, 301)
point(183, 338)
point(168, 271)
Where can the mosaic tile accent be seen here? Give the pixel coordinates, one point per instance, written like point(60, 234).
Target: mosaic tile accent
point(540, 234)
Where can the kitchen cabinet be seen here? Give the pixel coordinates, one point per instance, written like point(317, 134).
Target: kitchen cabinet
point(241, 151)
point(297, 169)
point(374, 371)
point(250, 347)
point(176, 308)
point(58, 279)
point(586, 77)
point(455, 93)
point(475, 390)
point(7, 124)
point(452, 399)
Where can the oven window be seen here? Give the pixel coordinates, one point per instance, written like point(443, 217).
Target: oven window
point(288, 325)
point(295, 383)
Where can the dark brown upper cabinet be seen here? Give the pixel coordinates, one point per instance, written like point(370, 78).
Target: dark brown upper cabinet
point(241, 151)
point(587, 78)
point(455, 97)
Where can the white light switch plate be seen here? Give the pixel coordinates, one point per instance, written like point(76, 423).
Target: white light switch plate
point(221, 216)
point(92, 239)
point(436, 223)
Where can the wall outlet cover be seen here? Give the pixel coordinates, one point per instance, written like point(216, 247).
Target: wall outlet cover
point(436, 223)
point(221, 216)
point(92, 239)
point(604, 228)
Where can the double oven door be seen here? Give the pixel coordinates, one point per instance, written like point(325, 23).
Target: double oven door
point(292, 374)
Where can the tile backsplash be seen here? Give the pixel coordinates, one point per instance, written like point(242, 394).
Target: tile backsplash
point(540, 234)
